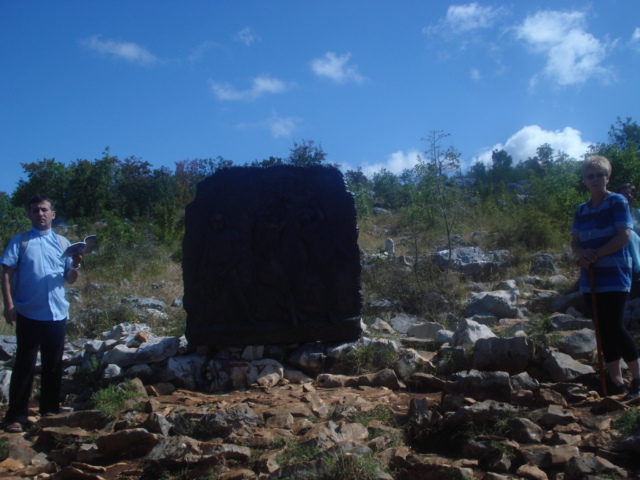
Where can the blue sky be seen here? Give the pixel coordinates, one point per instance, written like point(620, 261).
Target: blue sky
point(368, 80)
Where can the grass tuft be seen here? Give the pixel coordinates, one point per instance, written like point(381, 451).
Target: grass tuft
point(347, 466)
point(114, 400)
point(628, 422)
point(296, 452)
point(366, 359)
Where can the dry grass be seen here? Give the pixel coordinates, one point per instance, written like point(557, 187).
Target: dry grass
point(148, 271)
point(374, 232)
point(107, 295)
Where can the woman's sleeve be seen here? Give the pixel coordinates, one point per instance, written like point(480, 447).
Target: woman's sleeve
point(621, 212)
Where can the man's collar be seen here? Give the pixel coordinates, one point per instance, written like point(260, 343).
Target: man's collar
point(40, 233)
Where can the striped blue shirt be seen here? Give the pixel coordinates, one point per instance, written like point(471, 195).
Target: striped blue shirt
point(595, 227)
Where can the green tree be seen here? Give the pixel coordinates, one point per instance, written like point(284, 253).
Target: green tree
point(622, 152)
point(441, 162)
point(386, 189)
point(441, 196)
point(13, 219)
point(189, 172)
point(135, 188)
point(168, 224)
point(93, 186)
point(307, 154)
point(479, 171)
point(268, 162)
point(545, 154)
point(187, 177)
point(625, 164)
point(501, 166)
point(625, 133)
point(45, 177)
point(209, 166)
point(358, 184)
point(356, 178)
point(531, 166)
point(558, 191)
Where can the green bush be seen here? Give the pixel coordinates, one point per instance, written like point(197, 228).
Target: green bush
point(422, 289)
point(13, 220)
point(531, 229)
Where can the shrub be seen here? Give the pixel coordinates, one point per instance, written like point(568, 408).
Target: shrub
point(422, 289)
point(532, 229)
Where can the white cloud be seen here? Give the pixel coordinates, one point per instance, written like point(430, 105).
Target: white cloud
point(523, 144)
point(247, 36)
point(396, 163)
point(260, 85)
point(282, 126)
point(128, 51)
point(335, 67)
point(277, 125)
point(573, 55)
point(201, 49)
point(475, 75)
point(635, 38)
point(463, 18)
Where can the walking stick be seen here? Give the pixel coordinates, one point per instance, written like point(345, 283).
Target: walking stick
point(594, 307)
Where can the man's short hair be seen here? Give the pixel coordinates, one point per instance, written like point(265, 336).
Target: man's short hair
point(624, 186)
point(36, 199)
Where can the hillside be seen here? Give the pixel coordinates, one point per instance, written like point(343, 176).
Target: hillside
point(478, 365)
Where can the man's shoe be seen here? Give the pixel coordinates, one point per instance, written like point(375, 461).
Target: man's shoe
point(634, 389)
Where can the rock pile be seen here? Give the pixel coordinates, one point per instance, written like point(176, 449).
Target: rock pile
point(484, 397)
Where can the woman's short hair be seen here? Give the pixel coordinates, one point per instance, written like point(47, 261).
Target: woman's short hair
point(596, 161)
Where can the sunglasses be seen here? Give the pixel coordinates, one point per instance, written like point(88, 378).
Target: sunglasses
point(591, 176)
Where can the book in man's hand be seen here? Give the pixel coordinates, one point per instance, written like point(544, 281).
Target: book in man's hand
point(85, 247)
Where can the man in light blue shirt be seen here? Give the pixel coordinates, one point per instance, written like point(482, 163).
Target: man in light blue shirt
point(33, 277)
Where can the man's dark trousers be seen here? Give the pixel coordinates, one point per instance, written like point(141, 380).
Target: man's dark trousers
point(34, 335)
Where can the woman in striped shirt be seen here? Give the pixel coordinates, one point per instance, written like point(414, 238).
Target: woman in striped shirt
point(600, 234)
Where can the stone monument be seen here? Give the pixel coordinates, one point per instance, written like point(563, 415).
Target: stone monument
point(270, 255)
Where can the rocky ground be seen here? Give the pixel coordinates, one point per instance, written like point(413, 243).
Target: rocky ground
point(490, 398)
